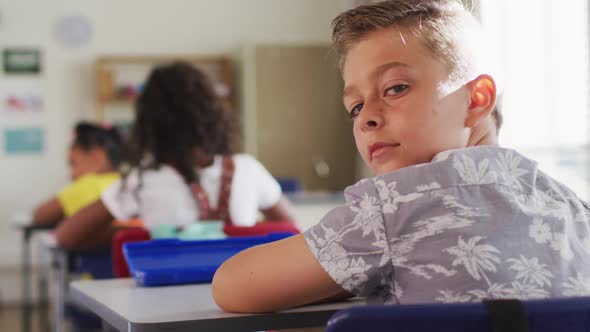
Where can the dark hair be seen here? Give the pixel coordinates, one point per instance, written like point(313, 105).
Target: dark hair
point(88, 136)
point(178, 111)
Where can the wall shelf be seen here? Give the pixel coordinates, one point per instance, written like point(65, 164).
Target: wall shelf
point(119, 80)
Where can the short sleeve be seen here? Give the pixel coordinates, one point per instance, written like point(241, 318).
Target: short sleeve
point(119, 198)
point(78, 194)
point(268, 189)
point(350, 244)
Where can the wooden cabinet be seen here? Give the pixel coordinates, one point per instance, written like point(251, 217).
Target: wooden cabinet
point(119, 80)
point(294, 120)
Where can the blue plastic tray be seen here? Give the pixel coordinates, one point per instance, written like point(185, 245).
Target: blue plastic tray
point(169, 262)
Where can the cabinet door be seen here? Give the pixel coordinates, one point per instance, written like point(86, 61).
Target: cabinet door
point(302, 128)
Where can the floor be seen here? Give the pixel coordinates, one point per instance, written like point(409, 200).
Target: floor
point(10, 319)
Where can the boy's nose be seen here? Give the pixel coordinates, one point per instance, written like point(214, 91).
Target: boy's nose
point(371, 117)
point(371, 123)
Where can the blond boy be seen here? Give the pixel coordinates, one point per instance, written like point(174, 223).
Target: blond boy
point(450, 217)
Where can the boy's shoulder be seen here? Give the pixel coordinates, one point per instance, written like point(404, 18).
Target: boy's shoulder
point(482, 165)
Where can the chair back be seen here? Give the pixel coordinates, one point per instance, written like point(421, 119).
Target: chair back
point(120, 268)
point(289, 185)
point(551, 315)
point(95, 263)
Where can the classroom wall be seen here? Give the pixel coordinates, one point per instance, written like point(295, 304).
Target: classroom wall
point(123, 27)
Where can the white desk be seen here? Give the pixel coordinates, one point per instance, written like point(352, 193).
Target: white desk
point(60, 271)
point(128, 307)
point(24, 223)
point(59, 265)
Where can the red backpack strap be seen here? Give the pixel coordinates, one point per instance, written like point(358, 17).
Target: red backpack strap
point(227, 176)
point(202, 199)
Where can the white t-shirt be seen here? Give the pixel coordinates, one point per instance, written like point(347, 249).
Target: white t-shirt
point(164, 197)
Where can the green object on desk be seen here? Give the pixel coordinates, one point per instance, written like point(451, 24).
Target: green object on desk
point(201, 230)
point(164, 232)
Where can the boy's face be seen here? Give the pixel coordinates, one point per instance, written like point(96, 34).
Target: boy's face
point(404, 108)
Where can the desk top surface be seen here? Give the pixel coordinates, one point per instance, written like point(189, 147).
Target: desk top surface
point(21, 219)
point(124, 304)
point(24, 221)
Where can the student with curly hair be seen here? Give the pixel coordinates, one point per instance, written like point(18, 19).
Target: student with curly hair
point(183, 166)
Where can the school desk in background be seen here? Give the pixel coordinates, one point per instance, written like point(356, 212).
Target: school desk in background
point(171, 262)
point(23, 222)
point(138, 234)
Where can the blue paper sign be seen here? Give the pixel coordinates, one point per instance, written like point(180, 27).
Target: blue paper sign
point(23, 140)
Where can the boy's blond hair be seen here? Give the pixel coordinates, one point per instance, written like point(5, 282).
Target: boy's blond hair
point(447, 29)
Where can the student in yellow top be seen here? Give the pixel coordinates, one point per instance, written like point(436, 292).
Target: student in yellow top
point(94, 157)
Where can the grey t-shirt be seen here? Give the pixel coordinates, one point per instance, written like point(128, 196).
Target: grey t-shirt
point(474, 223)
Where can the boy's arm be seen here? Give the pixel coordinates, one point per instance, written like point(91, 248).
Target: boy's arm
point(48, 213)
point(273, 277)
point(91, 226)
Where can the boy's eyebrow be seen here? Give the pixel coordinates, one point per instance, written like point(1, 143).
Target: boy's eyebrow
point(386, 66)
point(349, 90)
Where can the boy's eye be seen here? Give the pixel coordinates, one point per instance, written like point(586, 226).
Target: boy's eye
point(394, 90)
point(355, 110)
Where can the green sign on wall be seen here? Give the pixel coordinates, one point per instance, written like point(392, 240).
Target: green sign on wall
point(23, 141)
point(21, 61)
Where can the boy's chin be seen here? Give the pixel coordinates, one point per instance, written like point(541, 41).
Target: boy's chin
point(385, 168)
point(390, 166)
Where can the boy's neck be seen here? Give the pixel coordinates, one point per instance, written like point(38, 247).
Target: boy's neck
point(485, 133)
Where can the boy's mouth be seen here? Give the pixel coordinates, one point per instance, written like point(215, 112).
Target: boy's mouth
point(377, 149)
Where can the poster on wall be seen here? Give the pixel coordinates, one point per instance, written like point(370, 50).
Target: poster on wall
point(21, 61)
point(19, 141)
point(22, 96)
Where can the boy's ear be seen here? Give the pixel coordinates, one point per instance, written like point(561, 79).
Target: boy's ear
point(483, 99)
